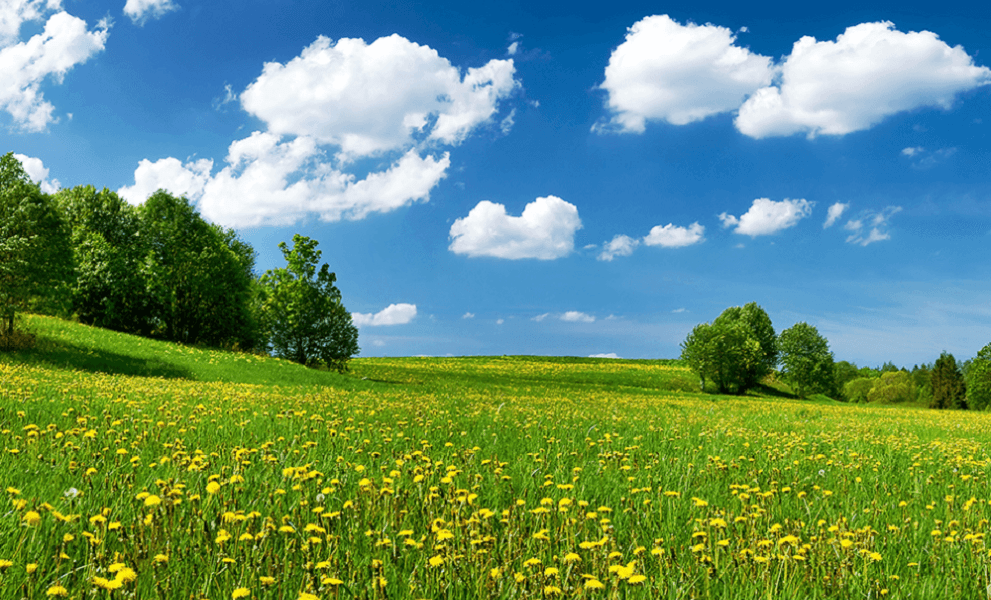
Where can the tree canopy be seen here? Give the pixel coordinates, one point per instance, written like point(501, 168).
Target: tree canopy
point(302, 314)
point(948, 386)
point(807, 363)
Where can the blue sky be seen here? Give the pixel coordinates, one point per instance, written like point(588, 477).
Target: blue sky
point(549, 178)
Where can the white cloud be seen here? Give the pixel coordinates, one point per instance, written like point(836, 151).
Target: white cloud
point(500, 321)
point(621, 245)
point(141, 10)
point(394, 314)
point(912, 151)
point(64, 43)
point(666, 71)
point(609, 355)
point(511, 50)
point(38, 173)
point(870, 72)
point(672, 236)
point(271, 182)
point(545, 230)
point(468, 315)
point(167, 174)
point(372, 98)
point(835, 212)
point(878, 226)
point(679, 310)
point(575, 316)
point(766, 216)
point(540, 318)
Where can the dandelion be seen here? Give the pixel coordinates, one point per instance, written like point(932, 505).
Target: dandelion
point(241, 592)
point(32, 518)
point(594, 584)
point(152, 500)
point(57, 590)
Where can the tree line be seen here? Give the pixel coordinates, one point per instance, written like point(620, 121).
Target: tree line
point(740, 351)
point(160, 270)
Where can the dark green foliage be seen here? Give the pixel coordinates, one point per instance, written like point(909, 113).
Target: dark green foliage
point(843, 372)
point(806, 360)
point(301, 310)
point(978, 379)
point(922, 379)
point(948, 386)
point(201, 275)
point(35, 258)
point(111, 284)
point(725, 353)
point(759, 328)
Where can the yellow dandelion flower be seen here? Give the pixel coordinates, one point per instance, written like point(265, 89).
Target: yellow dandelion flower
point(57, 590)
point(153, 500)
point(594, 584)
point(241, 592)
point(436, 561)
point(161, 558)
point(31, 568)
point(552, 590)
point(306, 596)
point(32, 518)
point(572, 557)
point(551, 572)
point(636, 579)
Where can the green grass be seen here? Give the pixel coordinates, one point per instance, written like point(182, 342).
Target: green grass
point(207, 472)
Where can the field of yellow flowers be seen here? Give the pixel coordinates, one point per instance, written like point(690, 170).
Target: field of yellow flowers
point(507, 477)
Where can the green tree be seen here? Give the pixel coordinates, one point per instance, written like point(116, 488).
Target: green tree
point(806, 360)
point(978, 380)
point(201, 275)
point(948, 386)
point(723, 352)
point(892, 387)
point(111, 285)
point(858, 390)
point(301, 310)
point(760, 329)
point(35, 258)
point(844, 371)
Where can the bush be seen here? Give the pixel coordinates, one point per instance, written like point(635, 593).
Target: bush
point(891, 388)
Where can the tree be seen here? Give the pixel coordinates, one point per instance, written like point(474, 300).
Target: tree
point(201, 275)
point(978, 380)
point(859, 389)
point(759, 328)
point(892, 387)
point(948, 386)
point(806, 360)
point(111, 284)
point(723, 352)
point(301, 310)
point(34, 250)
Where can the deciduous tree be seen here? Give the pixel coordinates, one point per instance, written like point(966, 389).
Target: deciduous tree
point(807, 363)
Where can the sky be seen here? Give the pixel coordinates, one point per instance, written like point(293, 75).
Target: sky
point(549, 178)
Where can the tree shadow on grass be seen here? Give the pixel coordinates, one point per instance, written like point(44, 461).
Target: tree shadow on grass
point(65, 355)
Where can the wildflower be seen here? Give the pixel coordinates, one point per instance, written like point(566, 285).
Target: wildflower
point(57, 590)
point(213, 487)
point(436, 561)
point(241, 592)
point(32, 518)
point(31, 568)
point(572, 557)
point(153, 500)
point(594, 584)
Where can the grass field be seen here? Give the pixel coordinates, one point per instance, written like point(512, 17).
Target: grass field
point(139, 469)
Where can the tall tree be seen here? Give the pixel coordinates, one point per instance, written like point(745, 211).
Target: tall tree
point(302, 312)
point(35, 257)
point(759, 328)
point(948, 387)
point(978, 380)
point(110, 288)
point(806, 360)
point(724, 352)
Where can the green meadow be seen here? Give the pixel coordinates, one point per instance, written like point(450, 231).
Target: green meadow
point(132, 468)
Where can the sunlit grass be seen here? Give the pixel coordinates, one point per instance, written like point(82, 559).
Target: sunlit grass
point(507, 477)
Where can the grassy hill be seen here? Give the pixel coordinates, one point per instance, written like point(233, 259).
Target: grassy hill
point(135, 468)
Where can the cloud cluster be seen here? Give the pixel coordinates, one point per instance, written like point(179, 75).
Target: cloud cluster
point(140, 11)
point(390, 97)
point(394, 314)
point(834, 213)
point(545, 230)
point(372, 98)
point(571, 316)
point(767, 217)
point(666, 71)
point(64, 43)
point(870, 226)
point(620, 245)
point(38, 173)
point(674, 236)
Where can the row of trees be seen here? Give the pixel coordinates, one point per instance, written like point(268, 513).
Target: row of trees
point(161, 270)
point(739, 350)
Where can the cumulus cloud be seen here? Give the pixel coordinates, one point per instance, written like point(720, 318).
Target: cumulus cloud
point(666, 71)
point(64, 43)
point(870, 72)
point(394, 314)
point(673, 236)
point(574, 316)
point(912, 151)
point(871, 226)
point(545, 230)
point(371, 98)
point(609, 355)
point(834, 213)
point(268, 181)
point(468, 315)
point(621, 245)
point(38, 173)
point(141, 10)
point(767, 216)
point(168, 174)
